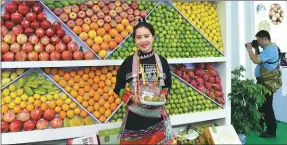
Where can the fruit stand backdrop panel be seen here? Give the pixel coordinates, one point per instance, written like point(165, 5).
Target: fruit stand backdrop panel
point(102, 26)
point(175, 37)
point(53, 41)
point(35, 102)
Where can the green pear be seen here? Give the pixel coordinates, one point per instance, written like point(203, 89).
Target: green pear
point(20, 71)
point(13, 76)
point(6, 74)
point(5, 81)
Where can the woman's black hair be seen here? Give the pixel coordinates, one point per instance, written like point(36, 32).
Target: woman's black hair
point(143, 23)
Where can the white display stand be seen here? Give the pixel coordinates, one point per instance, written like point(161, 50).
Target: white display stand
point(222, 64)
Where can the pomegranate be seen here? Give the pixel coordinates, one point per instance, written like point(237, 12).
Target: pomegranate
point(4, 127)
point(10, 8)
point(78, 55)
point(56, 25)
point(56, 123)
point(17, 2)
point(67, 55)
point(35, 25)
point(55, 56)
point(16, 18)
point(21, 39)
point(29, 31)
point(66, 39)
point(39, 48)
point(30, 3)
point(49, 114)
point(10, 38)
point(50, 32)
point(42, 124)
point(17, 30)
point(60, 47)
point(23, 115)
point(21, 56)
point(33, 39)
point(45, 24)
point(45, 40)
point(25, 24)
point(4, 30)
point(72, 46)
point(31, 16)
point(29, 125)
point(41, 16)
point(33, 56)
point(9, 24)
point(4, 47)
point(23, 9)
point(8, 56)
point(50, 48)
point(6, 16)
point(36, 114)
point(89, 55)
point(60, 33)
point(44, 56)
point(37, 8)
point(40, 32)
point(15, 126)
point(55, 40)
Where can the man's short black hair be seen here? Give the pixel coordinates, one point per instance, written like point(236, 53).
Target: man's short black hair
point(263, 34)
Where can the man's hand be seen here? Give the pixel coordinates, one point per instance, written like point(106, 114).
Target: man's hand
point(136, 99)
point(252, 56)
point(249, 46)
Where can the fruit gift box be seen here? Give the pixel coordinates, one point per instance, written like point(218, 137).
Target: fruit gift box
point(31, 33)
point(35, 102)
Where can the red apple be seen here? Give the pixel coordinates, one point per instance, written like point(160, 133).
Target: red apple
point(89, 3)
point(25, 24)
point(131, 18)
point(72, 46)
point(101, 4)
point(10, 8)
point(130, 11)
point(17, 30)
point(4, 127)
point(44, 56)
point(33, 39)
point(83, 7)
point(143, 13)
point(96, 8)
point(6, 16)
point(58, 11)
point(55, 56)
point(4, 47)
point(134, 5)
point(56, 122)
point(67, 9)
point(113, 23)
point(30, 3)
point(73, 16)
point(39, 48)
point(119, 9)
point(79, 22)
point(67, 55)
point(81, 14)
point(94, 18)
point(78, 55)
point(125, 6)
point(89, 13)
point(124, 15)
point(40, 32)
point(36, 114)
point(64, 17)
point(112, 13)
point(37, 8)
point(55, 40)
point(27, 47)
point(89, 55)
point(118, 19)
point(21, 56)
point(49, 114)
point(107, 18)
point(42, 124)
point(75, 8)
point(100, 15)
point(21, 39)
point(33, 56)
point(29, 125)
point(56, 25)
point(87, 20)
point(23, 9)
point(45, 24)
point(9, 24)
point(136, 12)
point(15, 126)
point(8, 56)
point(66, 39)
point(100, 22)
point(105, 10)
point(29, 31)
point(60, 47)
point(15, 47)
point(41, 16)
point(50, 32)
point(35, 25)
point(118, 3)
point(60, 33)
point(50, 48)
point(45, 40)
point(111, 6)
point(31, 16)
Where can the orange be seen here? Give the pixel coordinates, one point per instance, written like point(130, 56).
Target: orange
point(101, 84)
point(101, 32)
point(54, 71)
point(73, 73)
point(118, 39)
point(74, 93)
point(71, 82)
point(87, 88)
point(124, 33)
point(98, 39)
point(125, 22)
point(63, 114)
point(113, 106)
point(58, 109)
point(102, 102)
point(120, 27)
point(98, 72)
point(107, 38)
point(77, 78)
point(91, 74)
point(106, 96)
point(105, 69)
point(97, 79)
point(118, 101)
point(90, 82)
point(87, 70)
point(102, 119)
point(97, 114)
point(90, 42)
point(85, 77)
point(16, 109)
point(107, 27)
point(109, 75)
point(76, 87)
point(67, 76)
point(114, 72)
point(77, 30)
point(37, 103)
point(113, 32)
point(90, 108)
point(85, 104)
point(56, 78)
point(81, 92)
point(80, 99)
point(105, 46)
point(83, 114)
point(59, 102)
point(65, 107)
point(113, 86)
point(106, 89)
point(30, 107)
point(107, 105)
point(86, 97)
point(91, 93)
point(93, 68)
point(82, 83)
point(116, 95)
point(61, 72)
point(91, 102)
point(110, 67)
point(108, 82)
point(94, 26)
point(52, 104)
point(102, 110)
point(129, 28)
point(62, 83)
point(113, 79)
point(97, 106)
point(113, 44)
point(96, 47)
point(86, 28)
point(77, 111)
point(80, 72)
point(68, 89)
point(4, 108)
point(47, 70)
point(108, 113)
point(84, 36)
point(95, 86)
point(44, 106)
point(111, 99)
point(111, 92)
point(96, 97)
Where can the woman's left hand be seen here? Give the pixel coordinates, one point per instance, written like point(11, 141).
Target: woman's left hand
point(163, 96)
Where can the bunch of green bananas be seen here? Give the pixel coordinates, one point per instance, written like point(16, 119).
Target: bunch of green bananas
point(51, 4)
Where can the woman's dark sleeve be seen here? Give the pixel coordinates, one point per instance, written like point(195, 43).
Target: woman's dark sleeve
point(167, 81)
point(121, 81)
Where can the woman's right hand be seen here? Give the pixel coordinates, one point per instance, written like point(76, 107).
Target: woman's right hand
point(136, 99)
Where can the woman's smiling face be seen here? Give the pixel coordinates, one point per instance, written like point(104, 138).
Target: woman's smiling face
point(144, 39)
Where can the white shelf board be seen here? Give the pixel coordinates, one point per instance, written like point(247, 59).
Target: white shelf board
point(33, 64)
point(72, 132)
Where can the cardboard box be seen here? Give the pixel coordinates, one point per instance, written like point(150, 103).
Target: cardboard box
point(221, 135)
point(91, 140)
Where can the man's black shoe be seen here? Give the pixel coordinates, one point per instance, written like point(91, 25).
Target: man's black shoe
point(267, 135)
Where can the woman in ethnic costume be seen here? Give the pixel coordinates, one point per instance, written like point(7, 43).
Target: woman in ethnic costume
point(147, 73)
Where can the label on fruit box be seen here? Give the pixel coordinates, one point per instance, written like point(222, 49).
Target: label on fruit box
point(92, 139)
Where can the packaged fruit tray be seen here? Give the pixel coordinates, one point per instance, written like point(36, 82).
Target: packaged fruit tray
point(35, 102)
point(90, 87)
point(11, 75)
point(152, 102)
point(44, 37)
